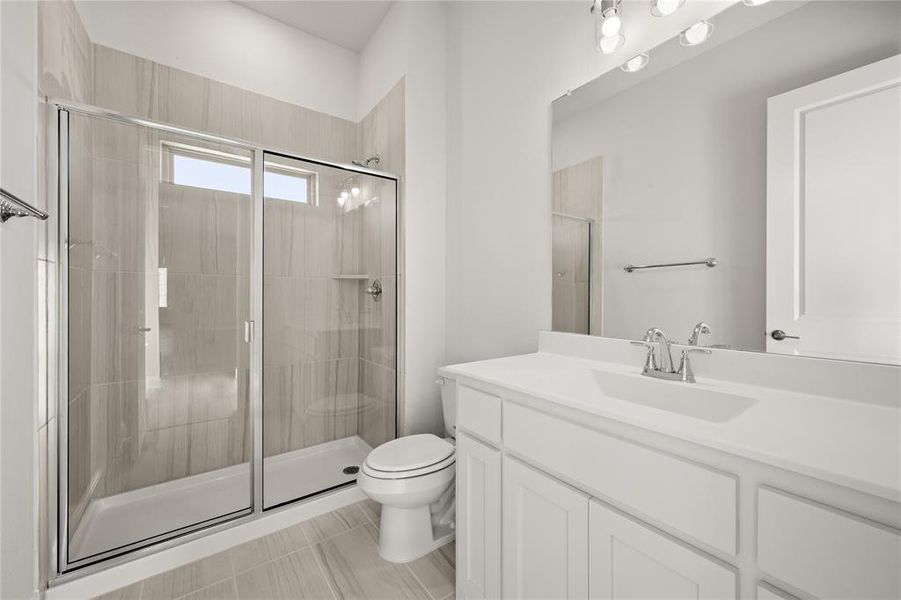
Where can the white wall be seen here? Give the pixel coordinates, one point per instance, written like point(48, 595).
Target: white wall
point(507, 63)
point(686, 178)
point(18, 302)
point(232, 44)
point(411, 43)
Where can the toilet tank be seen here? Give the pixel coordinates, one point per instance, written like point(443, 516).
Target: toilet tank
point(449, 405)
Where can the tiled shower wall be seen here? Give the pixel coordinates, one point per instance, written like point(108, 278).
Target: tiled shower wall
point(335, 377)
point(578, 192)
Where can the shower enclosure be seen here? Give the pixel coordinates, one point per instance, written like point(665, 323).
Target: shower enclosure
point(227, 330)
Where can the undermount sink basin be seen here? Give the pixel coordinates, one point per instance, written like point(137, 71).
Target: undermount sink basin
point(691, 400)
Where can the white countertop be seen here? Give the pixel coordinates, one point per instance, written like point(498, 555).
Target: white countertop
point(849, 443)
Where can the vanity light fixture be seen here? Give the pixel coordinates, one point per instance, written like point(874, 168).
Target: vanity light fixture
point(608, 25)
point(636, 63)
point(754, 2)
point(611, 22)
point(664, 8)
point(609, 45)
point(696, 34)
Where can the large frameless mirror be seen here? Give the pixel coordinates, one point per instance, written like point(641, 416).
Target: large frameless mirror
point(747, 175)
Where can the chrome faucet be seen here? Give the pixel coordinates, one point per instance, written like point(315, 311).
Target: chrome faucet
point(662, 368)
point(655, 341)
point(700, 328)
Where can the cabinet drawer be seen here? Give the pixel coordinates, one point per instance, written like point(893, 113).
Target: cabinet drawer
point(684, 496)
point(479, 413)
point(826, 552)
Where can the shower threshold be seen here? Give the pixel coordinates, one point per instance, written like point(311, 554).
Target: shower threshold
point(142, 514)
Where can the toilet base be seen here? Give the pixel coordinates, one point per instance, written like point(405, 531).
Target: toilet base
point(406, 534)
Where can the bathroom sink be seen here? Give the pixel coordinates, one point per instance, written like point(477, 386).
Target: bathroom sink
point(691, 400)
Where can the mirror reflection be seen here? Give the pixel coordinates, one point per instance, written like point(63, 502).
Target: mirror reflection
point(744, 175)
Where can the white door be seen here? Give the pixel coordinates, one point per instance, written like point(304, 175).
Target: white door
point(478, 519)
point(631, 561)
point(545, 536)
point(834, 216)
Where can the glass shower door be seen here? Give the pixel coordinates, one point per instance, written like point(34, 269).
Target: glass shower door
point(329, 324)
point(158, 236)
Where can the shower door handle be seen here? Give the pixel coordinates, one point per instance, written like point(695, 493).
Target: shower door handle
point(248, 331)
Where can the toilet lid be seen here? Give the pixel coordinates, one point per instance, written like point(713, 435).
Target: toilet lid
point(409, 453)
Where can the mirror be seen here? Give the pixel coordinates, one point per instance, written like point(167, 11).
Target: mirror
point(752, 182)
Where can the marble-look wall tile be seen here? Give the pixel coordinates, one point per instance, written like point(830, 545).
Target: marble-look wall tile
point(378, 393)
point(64, 53)
point(117, 322)
point(125, 83)
point(283, 238)
point(80, 331)
point(118, 216)
point(200, 229)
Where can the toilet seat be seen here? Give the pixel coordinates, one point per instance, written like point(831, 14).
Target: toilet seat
point(409, 456)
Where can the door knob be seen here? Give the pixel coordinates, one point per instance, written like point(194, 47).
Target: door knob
point(779, 335)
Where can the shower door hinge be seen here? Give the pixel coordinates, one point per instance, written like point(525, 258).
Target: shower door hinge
point(248, 332)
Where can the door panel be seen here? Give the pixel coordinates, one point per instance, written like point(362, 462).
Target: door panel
point(631, 560)
point(545, 536)
point(478, 518)
point(834, 216)
point(158, 255)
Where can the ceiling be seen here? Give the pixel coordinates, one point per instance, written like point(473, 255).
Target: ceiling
point(347, 23)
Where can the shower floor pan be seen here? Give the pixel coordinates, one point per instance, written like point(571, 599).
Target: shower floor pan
point(143, 514)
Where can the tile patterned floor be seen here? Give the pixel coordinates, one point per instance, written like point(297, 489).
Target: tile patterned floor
point(333, 556)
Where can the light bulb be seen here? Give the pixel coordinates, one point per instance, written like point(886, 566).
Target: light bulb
point(754, 2)
point(344, 194)
point(696, 34)
point(609, 45)
point(636, 63)
point(663, 8)
point(611, 25)
point(341, 200)
point(354, 191)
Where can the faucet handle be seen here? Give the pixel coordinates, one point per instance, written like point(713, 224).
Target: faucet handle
point(700, 328)
point(650, 363)
point(685, 370)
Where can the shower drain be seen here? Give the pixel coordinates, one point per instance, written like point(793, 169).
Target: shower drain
point(352, 470)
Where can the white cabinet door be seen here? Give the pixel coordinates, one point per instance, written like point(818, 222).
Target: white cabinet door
point(631, 561)
point(545, 536)
point(478, 519)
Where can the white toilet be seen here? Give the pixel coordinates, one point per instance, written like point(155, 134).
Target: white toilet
point(412, 477)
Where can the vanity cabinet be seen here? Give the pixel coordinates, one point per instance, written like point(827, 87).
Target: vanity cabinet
point(555, 503)
point(545, 535)
point(631, 560)
point(478, 519)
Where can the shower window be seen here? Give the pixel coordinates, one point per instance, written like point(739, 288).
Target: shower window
point(196, 167)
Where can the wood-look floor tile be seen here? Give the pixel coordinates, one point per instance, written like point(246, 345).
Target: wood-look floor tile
point(372, 510)
point(262, 550)
point(188, 578)
point(330, 524)
point(129, 592)
point(354, 568)
point(436, 571)
point(297, 575)
point(224, 590)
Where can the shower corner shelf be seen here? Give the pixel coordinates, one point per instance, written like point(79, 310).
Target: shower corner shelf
point(352, 276)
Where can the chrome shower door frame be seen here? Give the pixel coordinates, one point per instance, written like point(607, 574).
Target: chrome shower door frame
point(61, 569)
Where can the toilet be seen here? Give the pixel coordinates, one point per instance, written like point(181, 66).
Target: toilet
point(412, 477)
